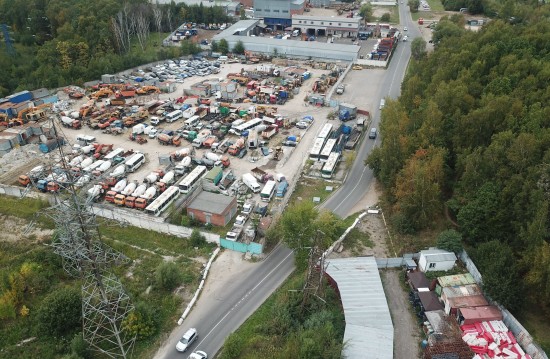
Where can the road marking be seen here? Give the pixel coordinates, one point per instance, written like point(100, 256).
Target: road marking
point(350, 192)
point(243, 298)
point(395, 72)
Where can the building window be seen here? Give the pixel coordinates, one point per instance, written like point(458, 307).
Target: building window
point(300, 21)
point(349, 25)
point(285, 11)
point(267, 10)
point(311, 22)
point(432, 265)
point(322, 23)
point(339, 24)
point(275, 10)
point(330, 23)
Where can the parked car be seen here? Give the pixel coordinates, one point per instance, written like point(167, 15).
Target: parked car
point(372, 133)
point(302, 125)
point(340, 89)
point(289, 143)
point(242, 153)
point(188, 338)
point(198, 354)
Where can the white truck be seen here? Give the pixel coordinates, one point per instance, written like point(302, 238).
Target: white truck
point(250, 181)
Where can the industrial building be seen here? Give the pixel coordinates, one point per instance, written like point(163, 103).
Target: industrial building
point(213, 208)
point(277, 14)
point(369, 328)
point(242, 31)
point(325, 26)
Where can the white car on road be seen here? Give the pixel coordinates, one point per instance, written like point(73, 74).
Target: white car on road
point(188, 338)
point(198, 354)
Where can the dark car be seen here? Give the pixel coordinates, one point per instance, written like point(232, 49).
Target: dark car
point(261, 210)
point(242, 153)
point(372, 133)
point(289, 143)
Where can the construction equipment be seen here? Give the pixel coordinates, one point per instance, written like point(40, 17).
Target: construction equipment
point(76, 95)
point(33, 113)
point(102, 92)
point(145, 90)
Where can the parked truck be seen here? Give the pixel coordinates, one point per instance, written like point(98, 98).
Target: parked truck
point(224, 146)
point(234, 234)
point(252, 140)
point(250, 181)
point(261, 175)
point(235, 148)
point(182, 166)
point(70, 123)
point(227, 180)
point(218, 159)
point(346, 111)
point(269, 132)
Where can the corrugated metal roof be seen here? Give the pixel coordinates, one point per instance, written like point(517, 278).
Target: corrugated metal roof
point(438, 255)
point(369, 328)
point(456, 280)
point(429, 301)
point(294, 48)
point(211, 202)
point(462, 290)
point(239, 26)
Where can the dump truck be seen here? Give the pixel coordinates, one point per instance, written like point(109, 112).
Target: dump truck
point(346, 111)
point(261, 175)
point(227, 180)
point(269, 132)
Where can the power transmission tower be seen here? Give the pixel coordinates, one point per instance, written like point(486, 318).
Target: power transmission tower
point(313, 286)
point(7, 40)
point(78, 242)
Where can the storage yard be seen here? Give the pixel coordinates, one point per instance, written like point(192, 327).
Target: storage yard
point(234, 130)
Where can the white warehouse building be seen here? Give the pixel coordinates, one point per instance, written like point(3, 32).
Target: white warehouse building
point(325, 26)
point(289, 48)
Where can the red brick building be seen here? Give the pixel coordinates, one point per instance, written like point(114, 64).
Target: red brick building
point(213, 208)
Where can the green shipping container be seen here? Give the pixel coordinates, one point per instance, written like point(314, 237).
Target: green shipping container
point(214, 175)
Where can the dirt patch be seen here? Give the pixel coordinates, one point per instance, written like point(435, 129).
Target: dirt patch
point(14, 230)
point(406, 332)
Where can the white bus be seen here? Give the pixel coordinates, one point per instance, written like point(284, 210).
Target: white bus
point(174, 116)
point(330, 166)
point(111, 155)
point(316, 149)
point(163, 201)
point(192, 121)
point(327, 149)
point(134, 162)
point(248, 125)
point(191, 179)
point(325, 131)
point(268, 191)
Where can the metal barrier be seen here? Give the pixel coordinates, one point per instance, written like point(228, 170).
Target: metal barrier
point(253, 248)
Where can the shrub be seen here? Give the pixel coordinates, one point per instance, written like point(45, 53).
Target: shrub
point(60, 312)
point(168, 276)
point(197, 239)
point(385, 17)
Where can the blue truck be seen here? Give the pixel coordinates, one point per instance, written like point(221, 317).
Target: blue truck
point(281, 190)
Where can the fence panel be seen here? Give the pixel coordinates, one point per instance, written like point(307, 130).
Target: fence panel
point(390, 262)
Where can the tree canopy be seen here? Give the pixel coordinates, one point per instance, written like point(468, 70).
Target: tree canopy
point(471, 132)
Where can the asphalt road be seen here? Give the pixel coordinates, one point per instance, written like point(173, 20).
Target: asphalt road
point(226, 311)
point(360, 176)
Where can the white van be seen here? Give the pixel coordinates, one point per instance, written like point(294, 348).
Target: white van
point(223, 59)
point(295, 33)
point(382, 103)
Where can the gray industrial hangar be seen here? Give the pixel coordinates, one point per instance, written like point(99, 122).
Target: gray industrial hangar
point(248, 32)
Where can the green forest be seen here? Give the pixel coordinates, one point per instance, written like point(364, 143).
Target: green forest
point(467, 147)
point(62, 42)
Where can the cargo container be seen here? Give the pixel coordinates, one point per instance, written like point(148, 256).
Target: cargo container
point(20, 97)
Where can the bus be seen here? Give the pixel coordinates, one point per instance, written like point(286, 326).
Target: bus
point(327, 149)
point(134, 162)
point(330, 166)
point(316, 149)
point(191, 179)
point(163, 201)
point(248, 125)
point(174, 116)
point(192, 121)
point(268, 191)
point(111, 155)
point(325, 131)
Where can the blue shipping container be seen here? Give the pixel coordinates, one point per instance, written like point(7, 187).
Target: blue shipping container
point(50, 99)
point(20, 97)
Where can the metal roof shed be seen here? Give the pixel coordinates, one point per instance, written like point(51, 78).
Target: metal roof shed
point(471, 315)
point(435, 259)
point(429, 301)
point(455, 280)
point(418, 280)
point(369, 328)
point(453, 304)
